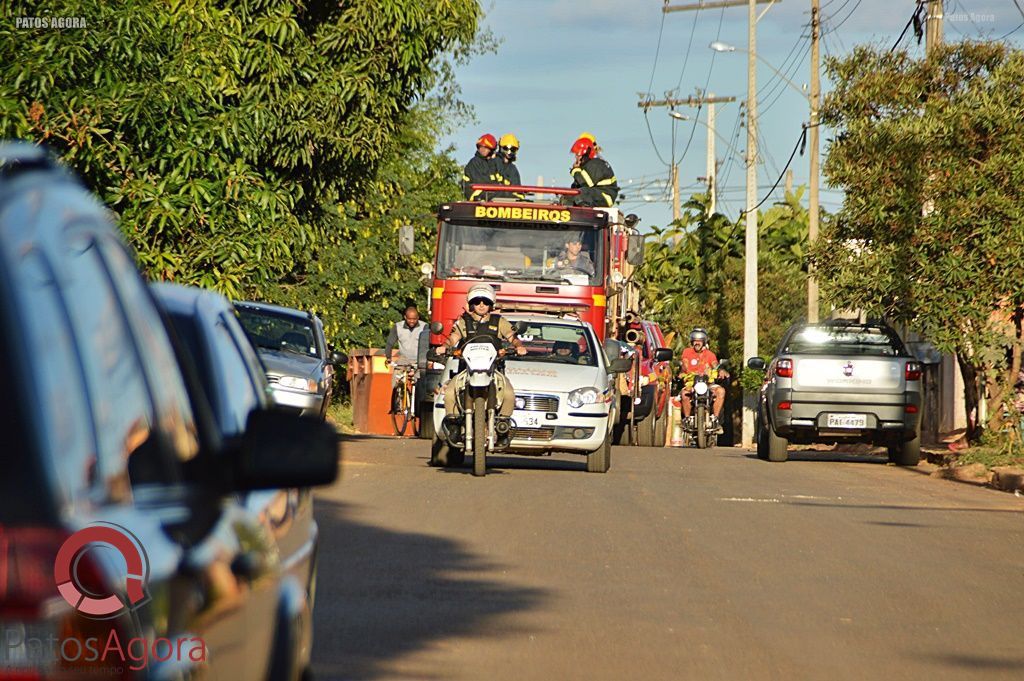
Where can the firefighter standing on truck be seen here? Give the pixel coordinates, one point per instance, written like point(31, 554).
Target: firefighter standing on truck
point(508, 173)
point(481, 169)
point(592, 175)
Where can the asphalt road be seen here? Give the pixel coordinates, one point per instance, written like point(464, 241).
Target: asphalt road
point(677, 564)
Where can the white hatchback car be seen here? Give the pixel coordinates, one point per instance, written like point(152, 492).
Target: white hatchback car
point(566, 398)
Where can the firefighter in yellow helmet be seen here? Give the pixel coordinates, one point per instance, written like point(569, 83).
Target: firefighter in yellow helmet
point(508, 173)
point(481, 169)
point(592, 175)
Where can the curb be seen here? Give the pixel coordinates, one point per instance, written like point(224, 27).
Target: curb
point(1008, 479)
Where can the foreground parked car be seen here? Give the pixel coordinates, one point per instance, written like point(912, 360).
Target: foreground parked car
point(840, 381)
point(299, 363)
point(564, 403)
point(235, 385)
point(123, 548)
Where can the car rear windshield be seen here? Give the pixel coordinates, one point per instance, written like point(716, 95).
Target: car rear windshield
point(845, 340)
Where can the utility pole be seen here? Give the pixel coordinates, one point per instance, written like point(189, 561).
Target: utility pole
point(812, 207)
point(691, 100)
point(712, 164)
point(933, 26)
point(750, 237)
point(676, 210)
point(750, 234)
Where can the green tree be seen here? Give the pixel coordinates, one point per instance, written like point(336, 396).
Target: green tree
point(693, 276)
point(930, 155)
point(250, 146)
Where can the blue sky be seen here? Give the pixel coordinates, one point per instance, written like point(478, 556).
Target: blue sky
point(567, 66)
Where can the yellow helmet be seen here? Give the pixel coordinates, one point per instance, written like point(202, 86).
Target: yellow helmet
point(509, 140)
point(589, 136)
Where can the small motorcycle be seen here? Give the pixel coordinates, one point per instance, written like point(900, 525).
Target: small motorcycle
point(701, 429)
point(477, 430)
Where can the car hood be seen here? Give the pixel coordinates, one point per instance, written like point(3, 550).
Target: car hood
point(280, 363)
point(554, 378)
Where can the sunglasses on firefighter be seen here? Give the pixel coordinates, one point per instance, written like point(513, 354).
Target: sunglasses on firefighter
point(510, 150)
point(476, 301)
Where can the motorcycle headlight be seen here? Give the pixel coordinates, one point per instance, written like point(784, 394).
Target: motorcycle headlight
point(296, 383)
point(700, 387)
point(581, 396)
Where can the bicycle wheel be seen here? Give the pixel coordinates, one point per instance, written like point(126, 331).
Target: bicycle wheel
point(400, 419)
point(410, 409)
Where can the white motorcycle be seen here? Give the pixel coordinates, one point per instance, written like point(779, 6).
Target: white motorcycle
point(477, 428)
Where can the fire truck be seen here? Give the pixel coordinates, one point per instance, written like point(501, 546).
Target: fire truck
point(517, 245)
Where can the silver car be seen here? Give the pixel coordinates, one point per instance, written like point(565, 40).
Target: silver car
point(840, 381)
point(299, 362)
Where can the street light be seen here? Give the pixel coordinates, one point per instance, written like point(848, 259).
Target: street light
point(683, 117)
point(719, 46)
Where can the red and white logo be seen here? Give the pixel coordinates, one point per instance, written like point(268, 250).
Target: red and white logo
point(72, 585)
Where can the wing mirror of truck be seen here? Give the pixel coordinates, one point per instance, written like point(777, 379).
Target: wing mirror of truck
point(756, 363)
point(281, 450)
point(663, 355)
point(620, 365)
point(436, 328)
point(406, 240)
point(632, 220)
point(635, 250)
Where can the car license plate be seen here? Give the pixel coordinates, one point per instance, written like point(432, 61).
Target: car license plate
point(847, 421)
point(527, 419)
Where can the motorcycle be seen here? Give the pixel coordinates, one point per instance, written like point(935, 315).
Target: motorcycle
point(701, 428)
point(478, 429)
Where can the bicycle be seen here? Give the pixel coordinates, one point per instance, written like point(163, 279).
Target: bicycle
point(405, 398)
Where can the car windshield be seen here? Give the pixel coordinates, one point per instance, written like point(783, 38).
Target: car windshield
point(844, 340)
point(556, 344)
point(272, 331)
point(520, 251)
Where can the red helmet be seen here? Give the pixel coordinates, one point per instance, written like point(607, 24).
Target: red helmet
point(487, 141)
point(584, 146)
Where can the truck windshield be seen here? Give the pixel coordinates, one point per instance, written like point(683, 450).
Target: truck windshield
point(845, 340)
point(521, 251)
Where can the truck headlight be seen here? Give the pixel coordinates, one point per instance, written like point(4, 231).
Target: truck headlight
point(296, 383)
point(581, 396)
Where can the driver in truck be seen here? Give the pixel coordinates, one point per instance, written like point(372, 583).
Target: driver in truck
point(479, 320)
point(573, 257)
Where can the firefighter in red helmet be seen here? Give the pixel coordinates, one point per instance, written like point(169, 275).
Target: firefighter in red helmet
point(592, 175)
point(481, 169)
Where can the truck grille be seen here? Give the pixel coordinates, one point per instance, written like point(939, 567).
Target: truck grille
point(539, 402)
point(534, 434)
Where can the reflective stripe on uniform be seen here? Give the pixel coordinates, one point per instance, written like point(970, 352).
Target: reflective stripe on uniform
point(465, 178)
point(610, 180)
point(586, 177)
point(607, 198)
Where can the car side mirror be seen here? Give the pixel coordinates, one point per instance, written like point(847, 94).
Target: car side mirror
point(663, 355)
point(436, 328)
point(281, 450)
point(620, 365)
point(635, 250)
point(339, 358)
point(406, 240)
point(756, 363)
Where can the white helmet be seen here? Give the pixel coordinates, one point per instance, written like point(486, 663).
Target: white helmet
point(699, 334)
point(481, 291)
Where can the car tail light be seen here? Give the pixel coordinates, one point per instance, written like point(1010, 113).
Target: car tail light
point(913, 371)
point(910, 409)
point(785, 406)
point(784, 368)
point(31, 605)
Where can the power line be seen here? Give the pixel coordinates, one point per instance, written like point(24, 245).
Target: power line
point(915, 20)
point(799, 143)
point(689, 45)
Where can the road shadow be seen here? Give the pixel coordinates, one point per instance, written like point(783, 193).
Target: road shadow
point(828, 456)
point(979, 662)
point(503, 465)
point(382, 594)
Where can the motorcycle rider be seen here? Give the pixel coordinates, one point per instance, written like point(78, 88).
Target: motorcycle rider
point(699, 360)
point(479, 320)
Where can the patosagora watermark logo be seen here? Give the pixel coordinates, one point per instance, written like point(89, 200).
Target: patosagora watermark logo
point(70, 584)
point(50, 23)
